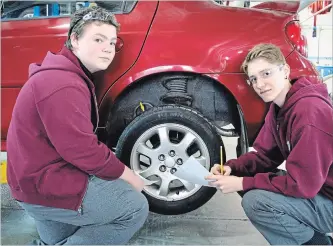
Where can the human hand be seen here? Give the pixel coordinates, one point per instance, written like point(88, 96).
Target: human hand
point(227, 184)
point(130, 177)
point(138, 183)
point(216, 169)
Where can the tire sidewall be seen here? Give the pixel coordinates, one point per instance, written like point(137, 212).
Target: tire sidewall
point(178, 115)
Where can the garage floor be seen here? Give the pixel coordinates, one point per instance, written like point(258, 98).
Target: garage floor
point(221, 221)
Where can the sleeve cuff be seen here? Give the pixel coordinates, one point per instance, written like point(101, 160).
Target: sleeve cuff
point(231, 165)
point(248, 183)
point(113, 170)
point(120, 170)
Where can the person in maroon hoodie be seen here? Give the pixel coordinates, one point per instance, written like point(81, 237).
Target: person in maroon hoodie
point(74, 187)
point(296, 206)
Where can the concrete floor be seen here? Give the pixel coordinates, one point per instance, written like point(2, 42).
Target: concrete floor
point(221, 221)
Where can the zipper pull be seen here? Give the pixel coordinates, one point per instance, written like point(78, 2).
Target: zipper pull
point(80, 210)
point(288, 144)
point(277, 126)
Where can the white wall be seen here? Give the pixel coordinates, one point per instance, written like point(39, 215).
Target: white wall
point(320, 47)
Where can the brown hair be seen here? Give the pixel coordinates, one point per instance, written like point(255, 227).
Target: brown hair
point(269, 52)
point(86, 16)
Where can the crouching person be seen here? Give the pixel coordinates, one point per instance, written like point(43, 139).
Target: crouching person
point(74, 187)
point(293, 207)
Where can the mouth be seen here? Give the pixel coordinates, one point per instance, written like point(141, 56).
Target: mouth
point(105, 58)
point(265, 91)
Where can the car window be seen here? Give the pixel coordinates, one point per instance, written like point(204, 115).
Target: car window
point(129, 6)
point(44, 9)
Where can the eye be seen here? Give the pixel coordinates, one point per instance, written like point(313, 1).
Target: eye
point(98, 40)
point(266, 73)
point(113, 43)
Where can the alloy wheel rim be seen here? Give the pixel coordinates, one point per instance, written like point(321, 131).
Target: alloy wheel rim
point(160, 151)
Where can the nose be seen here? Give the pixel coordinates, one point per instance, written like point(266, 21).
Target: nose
point(108, 48)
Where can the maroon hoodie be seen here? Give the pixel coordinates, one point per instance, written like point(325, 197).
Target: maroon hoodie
point(51, 145)
point(302, 134)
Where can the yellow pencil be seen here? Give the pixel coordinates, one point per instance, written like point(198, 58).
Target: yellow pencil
point(221, 156)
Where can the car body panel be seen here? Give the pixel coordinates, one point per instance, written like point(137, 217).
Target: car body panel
point(159, 37)
point(27, 41)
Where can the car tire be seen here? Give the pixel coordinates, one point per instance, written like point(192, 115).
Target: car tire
point(189, 123)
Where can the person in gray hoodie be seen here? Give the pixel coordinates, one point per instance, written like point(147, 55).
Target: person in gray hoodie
point(293, 207)
point(74, 187)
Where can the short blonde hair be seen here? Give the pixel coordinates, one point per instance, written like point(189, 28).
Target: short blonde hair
point(85, 16)
point(269, 52)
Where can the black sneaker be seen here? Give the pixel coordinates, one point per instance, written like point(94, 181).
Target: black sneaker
point(330, 238)
point(37, 242)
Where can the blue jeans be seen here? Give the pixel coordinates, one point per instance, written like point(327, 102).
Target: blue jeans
point(112, 211)
point(287, 220)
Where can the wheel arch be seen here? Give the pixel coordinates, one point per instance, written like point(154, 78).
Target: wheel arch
point(206, 95)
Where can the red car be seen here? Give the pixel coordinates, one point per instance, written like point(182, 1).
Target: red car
point(174, 85)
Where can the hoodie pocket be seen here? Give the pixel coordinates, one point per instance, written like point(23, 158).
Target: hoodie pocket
point(61, 181)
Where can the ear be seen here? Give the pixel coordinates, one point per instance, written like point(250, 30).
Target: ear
point(286, 70)
point(74, 41)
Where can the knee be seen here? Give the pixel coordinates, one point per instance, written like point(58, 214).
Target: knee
point(255, 201)
point(140, 209)
point(144, 207)
point(248, 201)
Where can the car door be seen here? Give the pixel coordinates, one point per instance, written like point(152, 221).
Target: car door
point(32, 29)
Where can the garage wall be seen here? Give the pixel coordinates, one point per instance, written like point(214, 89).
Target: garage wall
point(320, 47)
